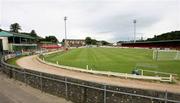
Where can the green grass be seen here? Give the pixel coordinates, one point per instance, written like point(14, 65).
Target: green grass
point(12, 61)
point(113, 59)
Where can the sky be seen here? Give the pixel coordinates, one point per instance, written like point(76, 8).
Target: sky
point(110, 20)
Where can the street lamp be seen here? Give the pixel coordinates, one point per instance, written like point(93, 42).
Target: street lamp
point(134, 22)
point(65, 41)
point(65, 18)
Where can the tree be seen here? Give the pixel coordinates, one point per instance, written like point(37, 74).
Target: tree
point(33, 33)
point(93, 41)
point(88, 40)
point(105, 43)
point(174, 35)
point(52, 39)
point(15, 27)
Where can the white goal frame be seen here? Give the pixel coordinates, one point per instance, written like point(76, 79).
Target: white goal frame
point(156, 54)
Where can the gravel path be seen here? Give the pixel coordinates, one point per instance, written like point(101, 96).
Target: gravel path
point(12, 91)
point(32, 63)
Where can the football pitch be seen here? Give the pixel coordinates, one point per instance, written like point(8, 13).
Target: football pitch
point(122, 60)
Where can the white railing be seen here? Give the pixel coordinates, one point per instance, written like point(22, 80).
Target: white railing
point(108, 73)
point(23, 44)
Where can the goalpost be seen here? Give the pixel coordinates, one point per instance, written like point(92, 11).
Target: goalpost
point(166, 55)
point(177, 56)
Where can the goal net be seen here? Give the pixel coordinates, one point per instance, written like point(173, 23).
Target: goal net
point(166, 55)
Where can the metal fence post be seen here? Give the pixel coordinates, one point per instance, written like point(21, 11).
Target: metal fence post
point(41, 84)
point(12, 73)
point(166, 96)
point(66, 88)
point(157, 54)
point(25, 81)
point(104, 93)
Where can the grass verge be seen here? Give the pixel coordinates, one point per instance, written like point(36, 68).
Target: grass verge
point(12, 61)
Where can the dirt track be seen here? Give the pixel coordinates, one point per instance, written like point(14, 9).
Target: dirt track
point(31, 62)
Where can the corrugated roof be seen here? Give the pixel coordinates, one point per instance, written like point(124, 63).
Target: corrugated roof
point(23, 35)
point(160, 41)
point(8, 34)
point(5, 34)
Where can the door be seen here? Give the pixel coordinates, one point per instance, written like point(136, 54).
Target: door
point(1, 47)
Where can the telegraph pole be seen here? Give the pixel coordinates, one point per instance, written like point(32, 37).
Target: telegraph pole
point(134, 22)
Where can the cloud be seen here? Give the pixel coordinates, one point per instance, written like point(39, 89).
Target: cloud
point(101, 19)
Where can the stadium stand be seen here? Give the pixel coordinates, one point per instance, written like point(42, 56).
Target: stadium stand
point(172, 44)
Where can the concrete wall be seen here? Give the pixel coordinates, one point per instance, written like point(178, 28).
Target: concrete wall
point(83, 93)
point(5, 43)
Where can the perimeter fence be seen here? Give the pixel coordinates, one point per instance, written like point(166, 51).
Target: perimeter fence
point(80, 91)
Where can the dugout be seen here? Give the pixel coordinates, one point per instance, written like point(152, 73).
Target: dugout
point(173, 44)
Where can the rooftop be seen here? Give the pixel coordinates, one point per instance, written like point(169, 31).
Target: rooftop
point(160, 41)
point(5, 34)
point(12, 34)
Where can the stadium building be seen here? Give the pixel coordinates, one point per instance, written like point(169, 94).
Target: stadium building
point(172, 44)
point(74, 42)
point(10, 42)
